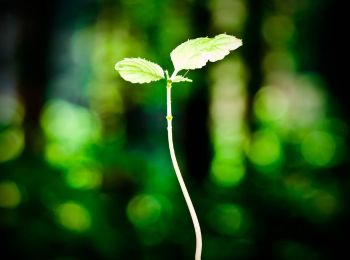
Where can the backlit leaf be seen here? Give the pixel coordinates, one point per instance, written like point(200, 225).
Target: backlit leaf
point(137, 70)
point(179, 78)
point(195, 54)
point(190, 55)
point(221, 45)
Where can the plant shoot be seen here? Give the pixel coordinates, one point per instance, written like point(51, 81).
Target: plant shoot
point(190, 55)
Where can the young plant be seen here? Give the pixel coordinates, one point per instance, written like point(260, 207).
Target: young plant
point(190, 55)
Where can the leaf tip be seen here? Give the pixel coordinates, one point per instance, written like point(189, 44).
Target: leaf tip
point(116, 66)
point(240, 42)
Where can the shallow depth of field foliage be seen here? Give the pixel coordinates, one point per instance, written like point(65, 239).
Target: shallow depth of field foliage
point(261, 136)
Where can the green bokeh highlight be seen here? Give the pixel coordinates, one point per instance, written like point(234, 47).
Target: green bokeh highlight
point(10, 195)
point(73, 216)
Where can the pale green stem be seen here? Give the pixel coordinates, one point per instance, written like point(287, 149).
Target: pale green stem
point(197, 228)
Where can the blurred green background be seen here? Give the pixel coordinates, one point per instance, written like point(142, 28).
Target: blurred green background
point(261, 137)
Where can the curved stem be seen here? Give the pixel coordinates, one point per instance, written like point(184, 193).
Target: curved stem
point(197, 228)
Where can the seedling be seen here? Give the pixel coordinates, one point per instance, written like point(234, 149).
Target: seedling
point(190, 55)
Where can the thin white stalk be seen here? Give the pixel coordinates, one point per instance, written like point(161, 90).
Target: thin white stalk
point(193, 214)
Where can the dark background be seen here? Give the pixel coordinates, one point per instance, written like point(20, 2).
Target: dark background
point(261, 137)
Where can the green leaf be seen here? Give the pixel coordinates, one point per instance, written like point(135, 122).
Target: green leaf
point(195, 54)
point(221, 46)
point(137, 70)
point(190, 55)
point(179, 78)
